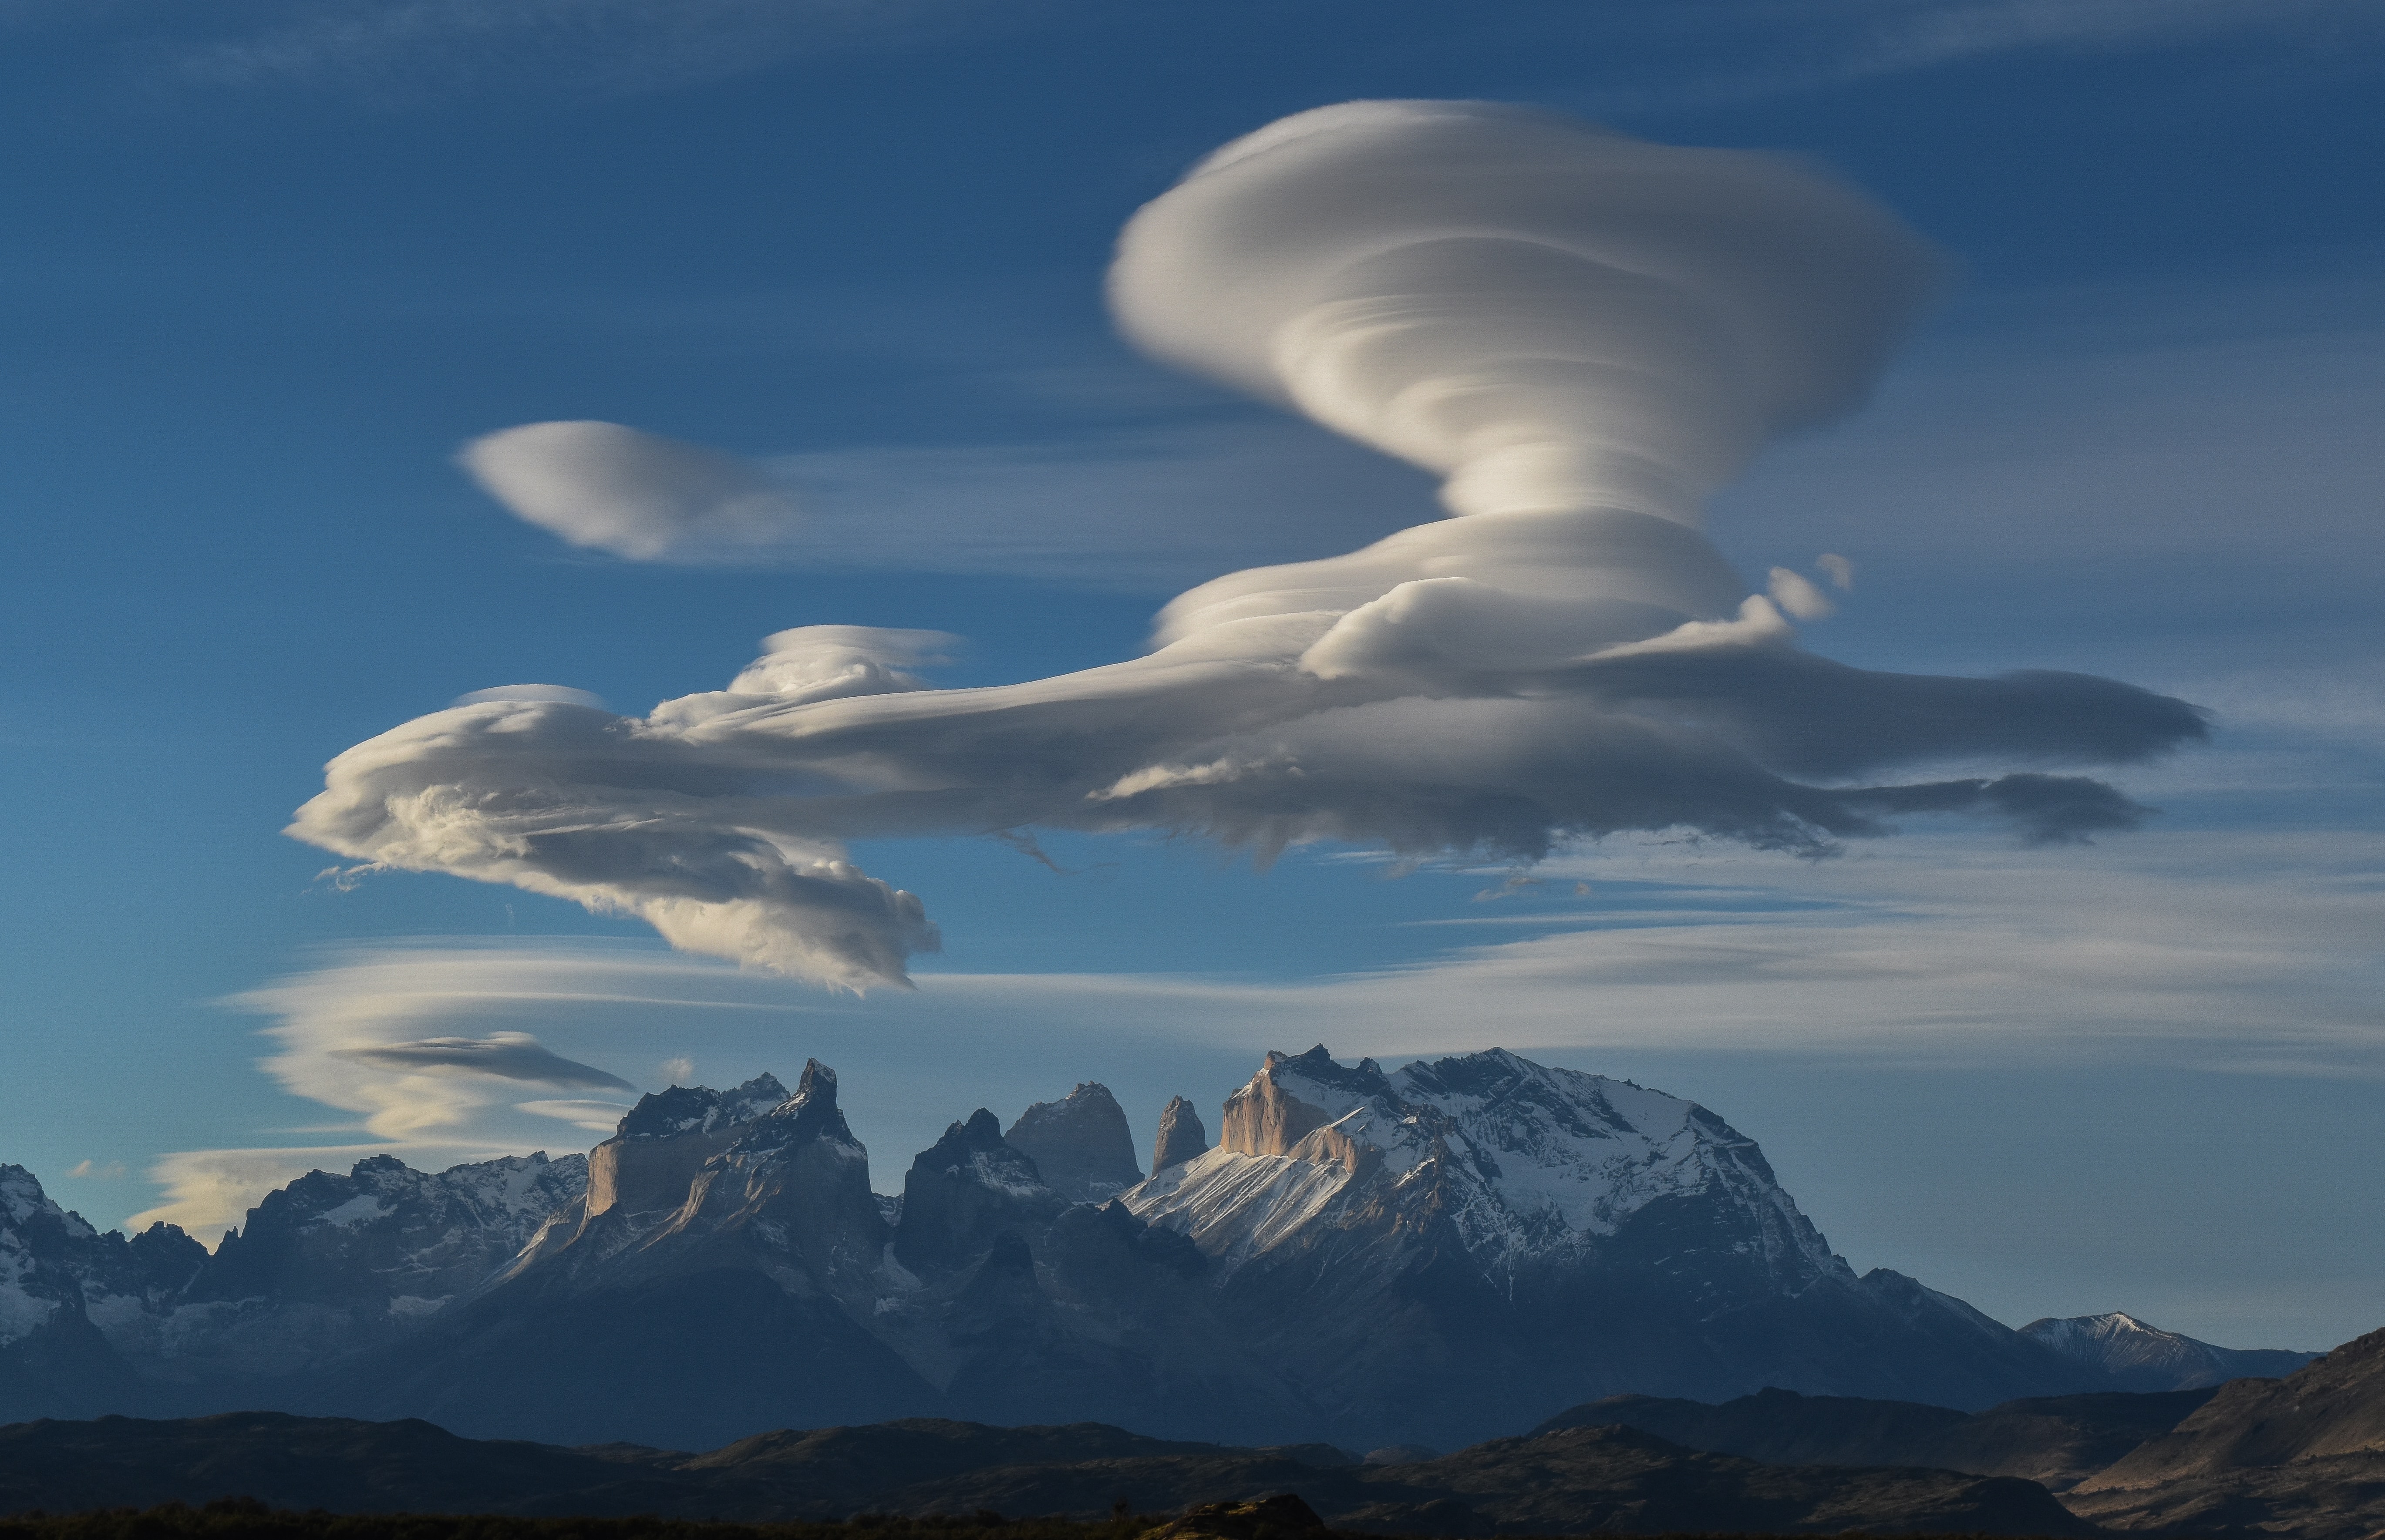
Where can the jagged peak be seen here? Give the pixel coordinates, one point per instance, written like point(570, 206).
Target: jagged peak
point(816, 1084)
point(681, 1109)
point(980, 1133)
point(810, 1113)
point(977, 1147)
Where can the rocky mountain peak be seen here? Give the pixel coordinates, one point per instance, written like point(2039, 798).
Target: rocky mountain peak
point(684, 1110)
point(966, 1189)
point(811, 1113)
point(818, 1083)
point(1294, 1096)
point(1181, 1136)
point(1079, 1144)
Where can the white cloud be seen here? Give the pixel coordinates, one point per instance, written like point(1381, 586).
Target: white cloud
point(364, 1038)
point(1135, 507)
point(395, 52)
point(89, 1170)
point(1621, 326)
point(610, 488)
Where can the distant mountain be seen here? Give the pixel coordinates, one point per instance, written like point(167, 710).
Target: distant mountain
point(1605, 1480)
point(2304, 1455)
point(1425, 1257)
point(2137, 1357)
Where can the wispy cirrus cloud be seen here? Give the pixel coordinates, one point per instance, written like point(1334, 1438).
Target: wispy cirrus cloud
point(1781, 46)
point(415, 52)
point(402, 50)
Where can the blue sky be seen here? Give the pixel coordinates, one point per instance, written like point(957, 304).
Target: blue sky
point(271, 265)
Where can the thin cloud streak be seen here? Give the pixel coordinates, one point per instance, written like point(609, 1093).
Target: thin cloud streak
point(2228, 952)
point(414, 53)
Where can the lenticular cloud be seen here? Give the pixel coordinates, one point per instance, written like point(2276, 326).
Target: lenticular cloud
point(1584, 335)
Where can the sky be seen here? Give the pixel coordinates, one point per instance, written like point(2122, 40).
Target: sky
point(2089, 383)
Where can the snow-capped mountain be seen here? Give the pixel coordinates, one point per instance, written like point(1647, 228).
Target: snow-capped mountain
point(53, 1362)
point(1528, 1166)
point(331, 1263)
point(2140, 1357)
point(1440, 1253)
point(1422, 1248)
point(323, 1267)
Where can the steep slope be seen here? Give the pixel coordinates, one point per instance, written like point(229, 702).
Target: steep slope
point(2303, 1455)
point(1080, 1143)
point(2137, 1357)
point(966, 1190)
point(1432, 1252)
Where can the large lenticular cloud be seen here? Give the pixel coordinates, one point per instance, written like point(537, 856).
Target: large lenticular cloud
point(1584, 334)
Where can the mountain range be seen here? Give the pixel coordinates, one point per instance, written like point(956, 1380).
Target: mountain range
point(1427, 1257)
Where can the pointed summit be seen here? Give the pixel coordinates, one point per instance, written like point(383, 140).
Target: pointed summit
point(1181, 1136)
point(700, 1110)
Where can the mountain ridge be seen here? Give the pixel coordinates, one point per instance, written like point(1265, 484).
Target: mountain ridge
point(1429, 1256)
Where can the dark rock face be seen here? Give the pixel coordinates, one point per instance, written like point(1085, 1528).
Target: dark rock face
point(1080, 1143)
point(966, 1190)
point(1181, 1138)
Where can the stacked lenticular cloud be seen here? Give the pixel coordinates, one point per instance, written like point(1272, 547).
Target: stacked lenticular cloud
point(1584, 334)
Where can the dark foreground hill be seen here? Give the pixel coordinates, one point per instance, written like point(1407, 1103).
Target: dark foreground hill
point(1571, 1480)
point(2057, 1441)
point(2302, 1456)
